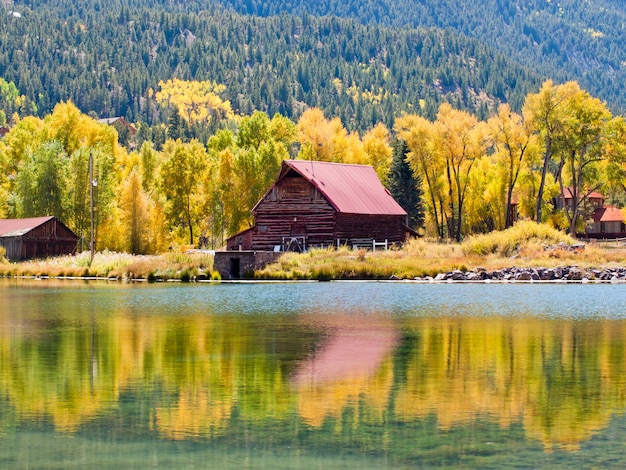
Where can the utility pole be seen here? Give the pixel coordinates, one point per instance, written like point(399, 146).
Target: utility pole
point(92, 183)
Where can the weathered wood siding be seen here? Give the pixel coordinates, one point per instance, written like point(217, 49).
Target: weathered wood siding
point(378, 227)
point(613, 229)
point(49, 239)
point(293, 207)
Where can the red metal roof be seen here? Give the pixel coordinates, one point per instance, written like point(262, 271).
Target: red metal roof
point(351, 189)
point(608, 214)
point(18, 227)
point(567, 194)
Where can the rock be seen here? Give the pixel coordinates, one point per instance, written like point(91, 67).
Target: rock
point(522, 276)
point(457, 276)
point(574, 274)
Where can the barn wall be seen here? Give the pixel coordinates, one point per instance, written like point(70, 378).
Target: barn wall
point(378, 227)
point(13, 247)
point(293, 207)
point(612, 229)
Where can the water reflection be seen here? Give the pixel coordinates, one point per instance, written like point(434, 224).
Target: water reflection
point(352, 363)
point(76, 357)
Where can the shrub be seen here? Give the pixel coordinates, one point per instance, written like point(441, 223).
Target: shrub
point(507, 242)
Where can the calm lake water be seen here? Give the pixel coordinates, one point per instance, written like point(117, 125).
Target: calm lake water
point(311, 375)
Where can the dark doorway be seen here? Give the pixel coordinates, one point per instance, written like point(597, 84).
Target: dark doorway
point(234, 268)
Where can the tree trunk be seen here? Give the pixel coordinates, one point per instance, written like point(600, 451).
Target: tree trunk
point(544, 172)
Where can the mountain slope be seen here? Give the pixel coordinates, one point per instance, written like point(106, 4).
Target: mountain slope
point(108, 58)
point(564, 40)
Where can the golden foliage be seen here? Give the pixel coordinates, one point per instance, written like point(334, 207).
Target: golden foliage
point(195, 101)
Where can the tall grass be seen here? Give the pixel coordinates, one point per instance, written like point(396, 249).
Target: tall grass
point(527, 244)
point(183, 266)
point(523, 235)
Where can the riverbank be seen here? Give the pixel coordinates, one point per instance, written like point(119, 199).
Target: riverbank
point(117, 266)
point(526, 252)
point(520, 250)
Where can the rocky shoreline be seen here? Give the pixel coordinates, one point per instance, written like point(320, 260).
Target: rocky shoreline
point(514, 274)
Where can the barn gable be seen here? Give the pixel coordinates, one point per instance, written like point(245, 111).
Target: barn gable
point(350, 189)
point(36, 237)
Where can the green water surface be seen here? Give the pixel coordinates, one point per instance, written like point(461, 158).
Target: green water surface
point(311, 375)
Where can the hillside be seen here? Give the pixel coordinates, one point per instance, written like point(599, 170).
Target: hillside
point(110, 60)
point(563, 40)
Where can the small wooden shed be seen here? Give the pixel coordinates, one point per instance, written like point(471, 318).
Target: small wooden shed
point(37, 237)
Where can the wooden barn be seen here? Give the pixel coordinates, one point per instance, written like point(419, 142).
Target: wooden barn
point(320, 204)
point(37, 237)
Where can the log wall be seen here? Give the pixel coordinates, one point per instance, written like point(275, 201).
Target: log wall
point(377, 227)
point(293, 207)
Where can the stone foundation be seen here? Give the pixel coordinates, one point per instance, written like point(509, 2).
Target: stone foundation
point(242, 264)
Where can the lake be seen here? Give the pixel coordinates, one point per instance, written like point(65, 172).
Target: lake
point(311, 375)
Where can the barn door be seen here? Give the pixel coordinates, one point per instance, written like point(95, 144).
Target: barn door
point(297, 238)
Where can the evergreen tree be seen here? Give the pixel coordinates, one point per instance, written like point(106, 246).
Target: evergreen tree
point(404, 186)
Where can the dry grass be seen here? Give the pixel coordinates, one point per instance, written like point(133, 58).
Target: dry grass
point(183, 266)
point(525, 245)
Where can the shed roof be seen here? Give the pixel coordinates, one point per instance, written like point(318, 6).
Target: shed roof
point(351, 189)
point(568, 194)
point(19, 227)
point(608, 214)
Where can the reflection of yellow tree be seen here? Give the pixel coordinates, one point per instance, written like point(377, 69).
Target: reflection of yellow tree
point(204, 367)
point(318, 402)
point(558, 378)
point(562, 380)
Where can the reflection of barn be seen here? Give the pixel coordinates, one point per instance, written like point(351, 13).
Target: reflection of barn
point(316, 204)
point(37, 237)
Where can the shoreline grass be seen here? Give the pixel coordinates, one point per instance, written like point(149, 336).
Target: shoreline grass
point(526, 245)
point(118, 266)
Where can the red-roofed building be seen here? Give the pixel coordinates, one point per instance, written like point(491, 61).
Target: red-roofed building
point(320, 204)
point(37, 237)
point(593, 198)
point(608, 222)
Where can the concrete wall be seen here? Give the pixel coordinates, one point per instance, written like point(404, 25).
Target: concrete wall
point(241, 264)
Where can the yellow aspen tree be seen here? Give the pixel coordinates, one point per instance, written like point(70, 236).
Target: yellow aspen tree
point(460, 139)
point(615, 151)
point(25, 135)
point(425, 163)
point(544, 113)
point(378, 150)
point(181, 175)
point(134, 217)
point(582, 148)
point(512, 141)
point(195, 101)
point(313, 133)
